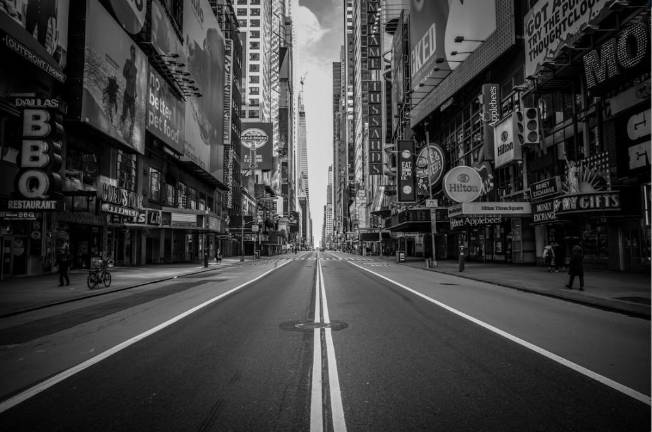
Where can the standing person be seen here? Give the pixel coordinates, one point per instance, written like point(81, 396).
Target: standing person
point(549, 256)
point(218, 255)
point(63, 262)
point(130, 73)
point(576, 266)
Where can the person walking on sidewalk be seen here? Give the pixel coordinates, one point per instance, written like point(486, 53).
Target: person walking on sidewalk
point(549, 256)
point(576, 266)
point(63, 262)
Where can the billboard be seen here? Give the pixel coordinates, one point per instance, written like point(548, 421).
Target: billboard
point(439, 27)
point(115, 79)
point(38, 32)
point(165, 113)
point(204, 55)
point(375, 130)
point(163, 36)
point(130, 14)
point(544, 31)
point(257, 152)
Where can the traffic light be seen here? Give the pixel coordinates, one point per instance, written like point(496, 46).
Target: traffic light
point(527, 127)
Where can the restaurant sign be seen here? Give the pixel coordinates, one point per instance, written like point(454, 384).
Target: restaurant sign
point(545, 188)
point(474, 221)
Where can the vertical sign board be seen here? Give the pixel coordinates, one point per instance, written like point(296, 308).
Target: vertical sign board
point(375, 118)
point(41, 154)
point(491, 113)
point(228, 104)
point(373, 35)
point(406, 173)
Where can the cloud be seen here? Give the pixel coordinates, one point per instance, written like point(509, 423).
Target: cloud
point(309, 30)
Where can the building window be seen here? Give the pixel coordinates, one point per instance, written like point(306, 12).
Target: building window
point(254, 68)
point(255, 2)
point(242, 2)
point(254, 34)
point(254, 114)
point(192, 198)
point(242, 23)
point(254, 57)
point(242, 12)
point(254, 79)
point(169, 195)
point(254, 45)
point(255, 23)
point(254, 11)
point(182, 198)
point(254, 90)
point(154, 185)
point(254, 102)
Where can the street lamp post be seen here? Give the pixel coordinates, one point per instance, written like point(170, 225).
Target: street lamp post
point(433, 212)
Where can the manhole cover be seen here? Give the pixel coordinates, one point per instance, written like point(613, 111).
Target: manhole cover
point(310, 325)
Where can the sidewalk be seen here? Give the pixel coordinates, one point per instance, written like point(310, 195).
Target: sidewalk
point(627, 293)
point(35, 292)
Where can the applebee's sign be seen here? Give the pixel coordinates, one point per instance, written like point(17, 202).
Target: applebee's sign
point(462, 184)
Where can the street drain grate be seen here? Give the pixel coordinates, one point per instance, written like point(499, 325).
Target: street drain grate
point(447, 283)
point(307, 326)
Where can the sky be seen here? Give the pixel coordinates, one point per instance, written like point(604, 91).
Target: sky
point(319, 34)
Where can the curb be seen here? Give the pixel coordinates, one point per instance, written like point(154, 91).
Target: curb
point(626, 308)
point(101, 293)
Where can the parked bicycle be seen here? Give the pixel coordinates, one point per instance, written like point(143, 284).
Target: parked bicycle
point(99, 274)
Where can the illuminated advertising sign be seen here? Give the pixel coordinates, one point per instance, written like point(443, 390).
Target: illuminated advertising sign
point(406, 174)
point(115, 80)
point(130, 14)
point(430, 166)
point(38, 32)
point(491, 110)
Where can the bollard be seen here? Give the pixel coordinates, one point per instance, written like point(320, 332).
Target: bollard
point(460, 260)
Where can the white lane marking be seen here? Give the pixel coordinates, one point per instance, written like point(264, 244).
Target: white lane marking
point(42, 386)
point(552, 356)
point(337, 409)
point(316, 407)
point(316, 402)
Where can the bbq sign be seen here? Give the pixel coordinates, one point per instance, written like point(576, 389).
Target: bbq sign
point(41, 153)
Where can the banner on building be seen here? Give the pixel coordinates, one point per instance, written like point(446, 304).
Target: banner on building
point(257, 152)
point(115, 80)
point(165, 112)
point(430, 165)
point(38, 32)
point(204, 56)
point(375, 122)
point(549, 23)
point(406, 172)
point(398, 70)
point(440, 27)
